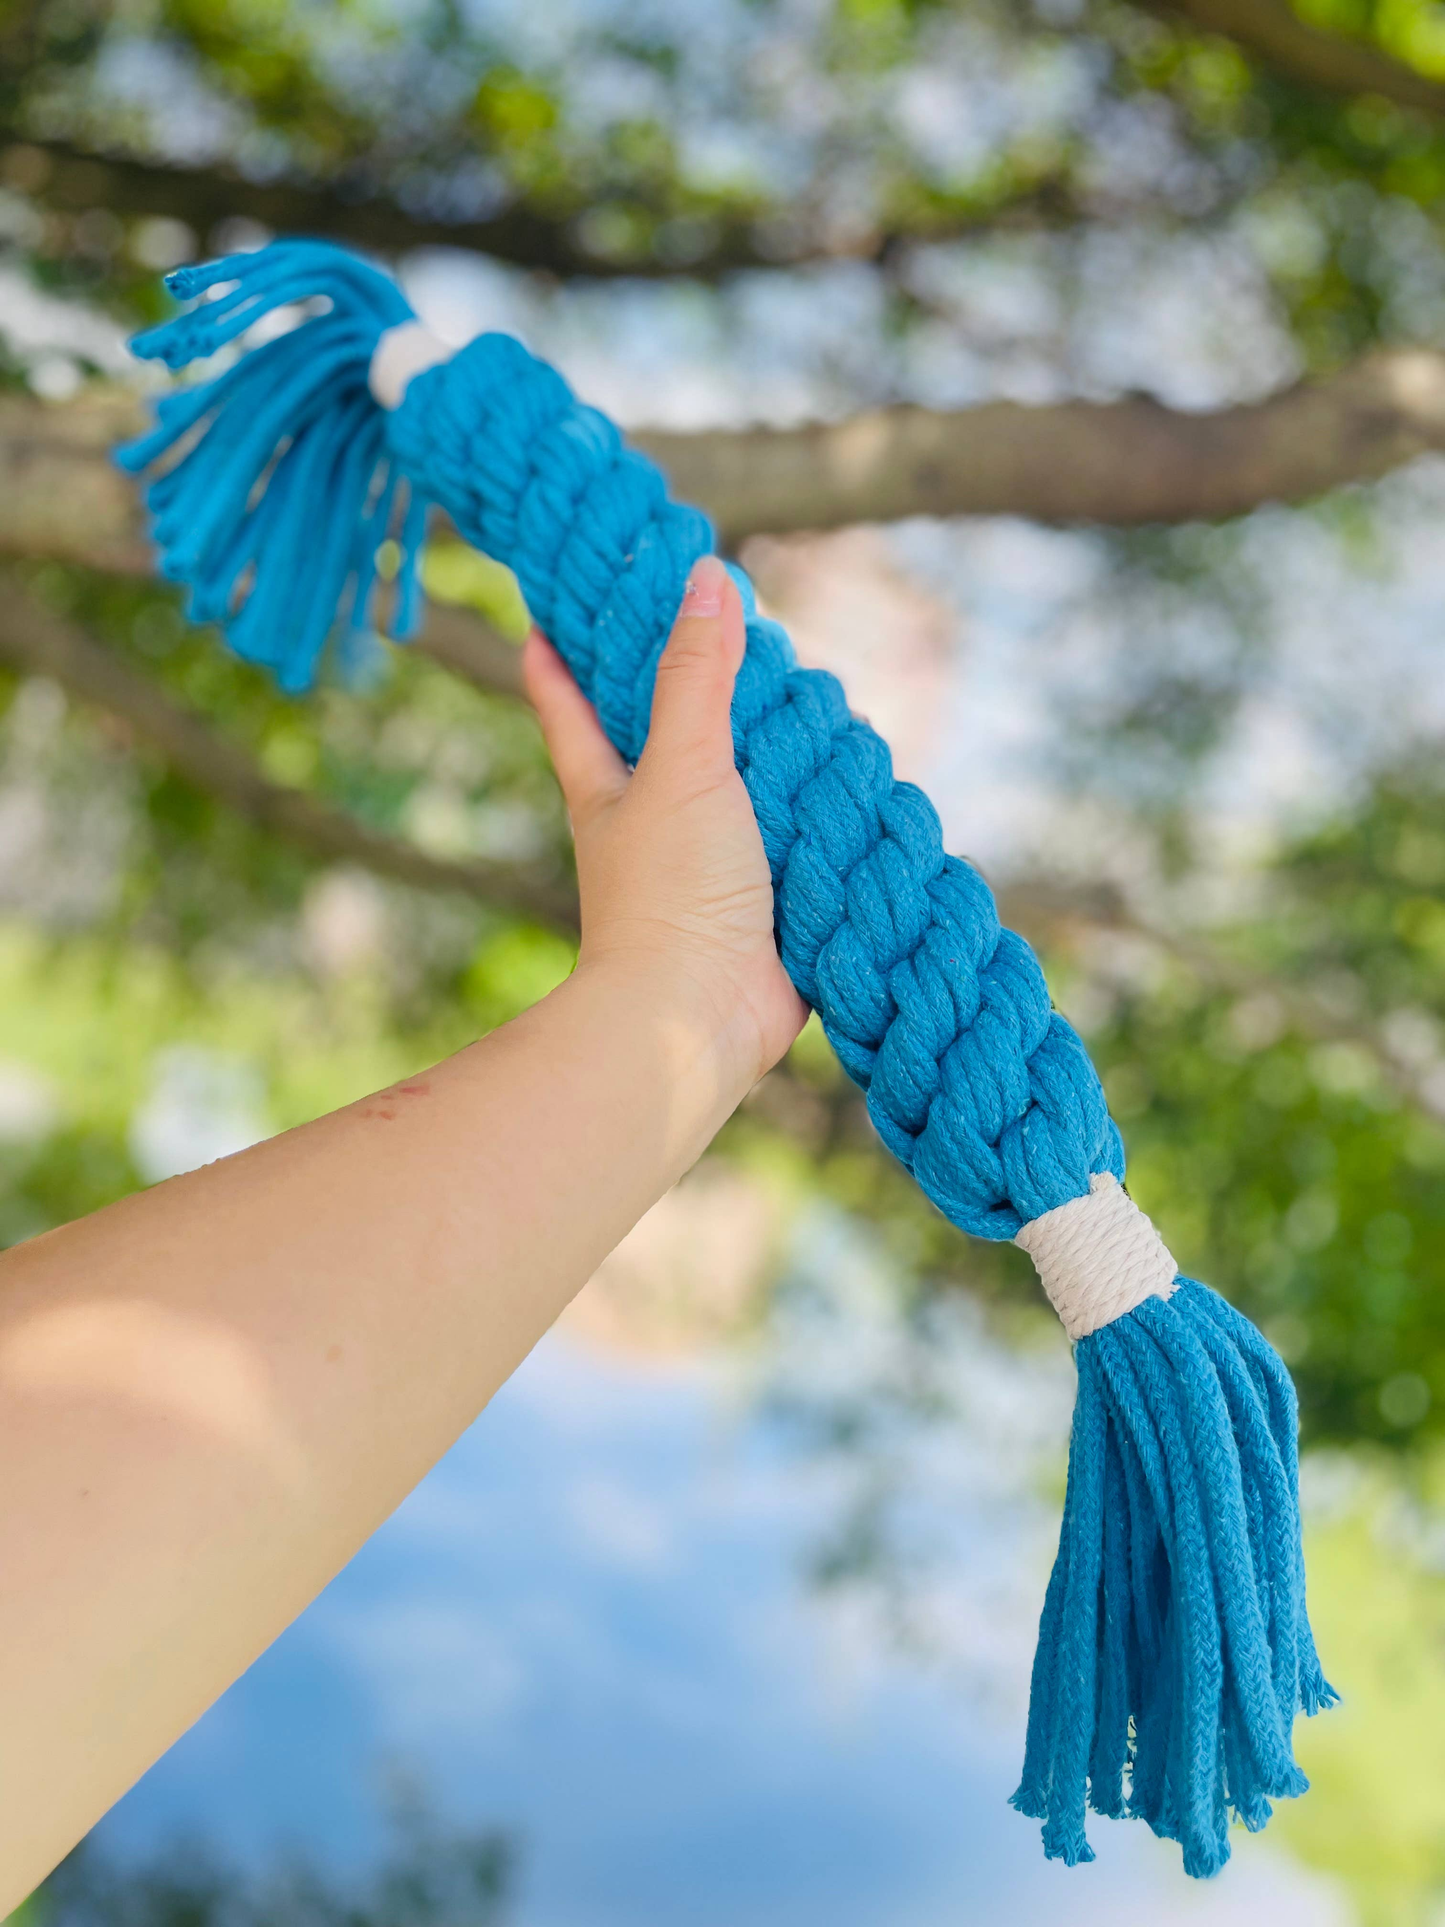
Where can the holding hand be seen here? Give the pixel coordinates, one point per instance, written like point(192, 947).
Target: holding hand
point(673, 879)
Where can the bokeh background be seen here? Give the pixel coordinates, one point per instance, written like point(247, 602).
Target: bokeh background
point(1071, 376)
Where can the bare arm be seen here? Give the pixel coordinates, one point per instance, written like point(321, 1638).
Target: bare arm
point(213, 1392)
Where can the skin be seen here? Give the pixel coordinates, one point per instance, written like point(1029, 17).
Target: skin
point(212, 1393)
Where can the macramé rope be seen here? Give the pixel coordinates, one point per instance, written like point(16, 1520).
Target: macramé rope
point(1174, 1645)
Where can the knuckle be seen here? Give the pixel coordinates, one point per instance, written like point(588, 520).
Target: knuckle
point(692, 659)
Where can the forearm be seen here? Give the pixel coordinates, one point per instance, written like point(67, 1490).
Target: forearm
point(211, 1393)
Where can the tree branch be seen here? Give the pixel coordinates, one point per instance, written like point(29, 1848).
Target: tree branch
point(355, 210)
point(61, 496)
point(41, 644)
point(1119, 464)
point(1337, 64)
point(70, 179)
point(463, 643)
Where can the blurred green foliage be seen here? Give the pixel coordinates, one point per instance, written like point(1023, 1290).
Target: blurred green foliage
point(427, 1876)
point(1281, 1080)
point(1376, 1765)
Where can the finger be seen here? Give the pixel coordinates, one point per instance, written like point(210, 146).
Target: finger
point(589, 769)
point(692, 698)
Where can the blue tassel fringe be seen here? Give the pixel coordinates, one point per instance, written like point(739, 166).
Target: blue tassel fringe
point(1174, 1649)
point(276, 510)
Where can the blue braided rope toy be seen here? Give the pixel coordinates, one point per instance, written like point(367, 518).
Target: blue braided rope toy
point(1174, 1647)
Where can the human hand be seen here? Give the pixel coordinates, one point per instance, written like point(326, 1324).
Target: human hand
point(674, 883)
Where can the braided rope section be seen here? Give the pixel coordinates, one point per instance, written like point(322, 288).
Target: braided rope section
point(974, 1082)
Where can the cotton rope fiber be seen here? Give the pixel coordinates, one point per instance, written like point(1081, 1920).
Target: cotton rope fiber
point(1174, 1646)
point(1098, 1257)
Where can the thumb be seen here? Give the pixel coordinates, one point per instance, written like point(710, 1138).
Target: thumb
point(692, 697)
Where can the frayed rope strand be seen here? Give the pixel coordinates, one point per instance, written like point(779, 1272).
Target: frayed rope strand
point(1174, 1646)
point(274, 515)
point(1206, 1640)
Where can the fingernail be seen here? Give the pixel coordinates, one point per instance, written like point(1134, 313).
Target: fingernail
point(704, 593)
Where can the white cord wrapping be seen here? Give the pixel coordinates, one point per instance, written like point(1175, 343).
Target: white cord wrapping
point(402, 352)
point(1098, 1257)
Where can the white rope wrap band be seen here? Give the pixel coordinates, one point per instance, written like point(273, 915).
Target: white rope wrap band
point(402, 352)
point(1098, 1257)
